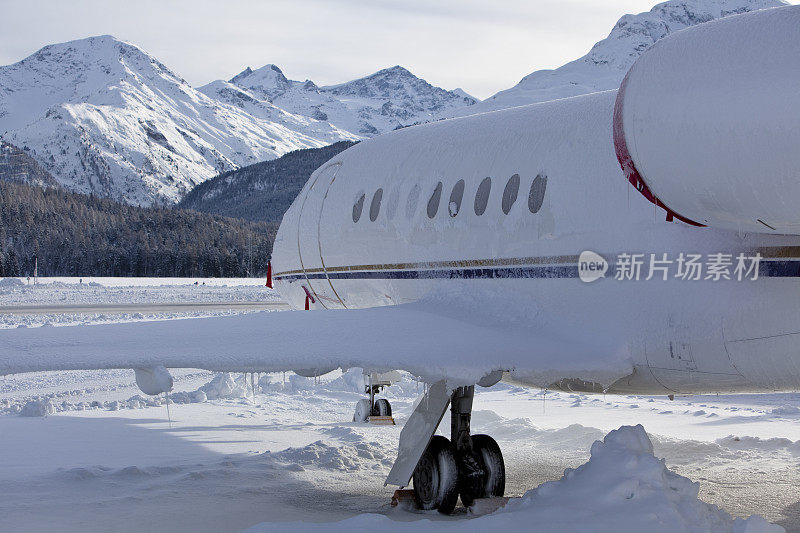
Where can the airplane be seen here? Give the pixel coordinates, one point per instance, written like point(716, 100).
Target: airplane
point(640, 240)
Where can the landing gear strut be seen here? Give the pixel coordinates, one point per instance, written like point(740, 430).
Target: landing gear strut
point(467, 465)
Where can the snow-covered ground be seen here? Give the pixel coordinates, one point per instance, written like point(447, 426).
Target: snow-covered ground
point(219, 458)
point(62, 301)
point(291, 453)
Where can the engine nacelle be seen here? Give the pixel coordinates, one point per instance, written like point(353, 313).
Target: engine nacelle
point(707, 123)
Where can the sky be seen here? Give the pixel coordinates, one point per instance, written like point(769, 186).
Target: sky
point(481, 46)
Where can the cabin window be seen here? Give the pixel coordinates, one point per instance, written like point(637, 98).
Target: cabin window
point(456, 195)
point(391, 203)
point(375, 206)
point(413, 200)
point(536, 197)
point(510, 193)
point(482, 196)
point(358, 207)
point(433, 203)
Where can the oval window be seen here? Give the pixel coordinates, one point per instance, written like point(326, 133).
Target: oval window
point(536, 197)
point(433, 203)
point(482, 196)
point(392, 201)
point(456, 195)
point(375, 206)
point(510, 193)
point(413, 200)
point(358, 207)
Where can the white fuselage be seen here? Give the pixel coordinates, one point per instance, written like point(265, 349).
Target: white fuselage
point(414, 243)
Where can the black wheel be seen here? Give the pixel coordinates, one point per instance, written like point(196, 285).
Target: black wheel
point(488, 458)
point(382, 408)
point(436, 477)
point(363, 409)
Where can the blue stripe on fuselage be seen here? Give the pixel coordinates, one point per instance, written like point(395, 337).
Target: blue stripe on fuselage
point(767, 269)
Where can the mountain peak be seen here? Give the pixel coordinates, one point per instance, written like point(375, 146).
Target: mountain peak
point(88, 47)
point(397, 69)
point(102, 116)
point(86, 62)
point(633, 34)
point(381, 84)
point(75, 71)
point(383, 101)
point(242, 75)
point(464, 94)
point(609, 59)
point(268, 80)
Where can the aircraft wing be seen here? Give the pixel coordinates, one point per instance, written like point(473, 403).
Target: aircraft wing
point(427, 341)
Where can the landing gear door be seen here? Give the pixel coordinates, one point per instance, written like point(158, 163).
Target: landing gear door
point(308, 239)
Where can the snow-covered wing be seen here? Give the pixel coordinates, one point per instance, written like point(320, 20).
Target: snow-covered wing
point(430, 344)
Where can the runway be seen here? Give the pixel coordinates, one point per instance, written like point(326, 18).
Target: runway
point(140, 308)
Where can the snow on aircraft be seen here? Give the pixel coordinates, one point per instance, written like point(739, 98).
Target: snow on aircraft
point(510, 244)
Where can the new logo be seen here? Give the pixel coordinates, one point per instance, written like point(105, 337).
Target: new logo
point(591, 266)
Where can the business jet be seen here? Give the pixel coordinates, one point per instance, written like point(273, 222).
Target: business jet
point(641, 240)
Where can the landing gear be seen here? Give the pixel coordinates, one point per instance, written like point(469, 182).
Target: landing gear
point(371, 407)
point(469, 465)
point(365, 409)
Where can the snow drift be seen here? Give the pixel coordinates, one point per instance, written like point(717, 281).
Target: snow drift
point(623, 487)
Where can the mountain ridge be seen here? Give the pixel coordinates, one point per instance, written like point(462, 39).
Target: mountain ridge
point(385, 100)
point(607, 62)
point(601, 68)
point(106, 118)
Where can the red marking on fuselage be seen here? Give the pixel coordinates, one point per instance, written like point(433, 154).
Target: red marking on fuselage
point(626, 161)
point(309, 298)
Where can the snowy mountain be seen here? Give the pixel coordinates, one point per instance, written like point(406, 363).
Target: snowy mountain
point(609, 60)
point(386, 100)
point(106, 118)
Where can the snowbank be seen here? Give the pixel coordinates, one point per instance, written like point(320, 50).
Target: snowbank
point(623, 487)
point(132, 291)
point(38, 408)
point(224, 386)
point(358, 456)
point(6, 283)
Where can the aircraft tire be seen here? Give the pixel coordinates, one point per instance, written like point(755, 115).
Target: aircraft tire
point(436, 477)
point(363, 410)
point(492, 483)
point(382, 407)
